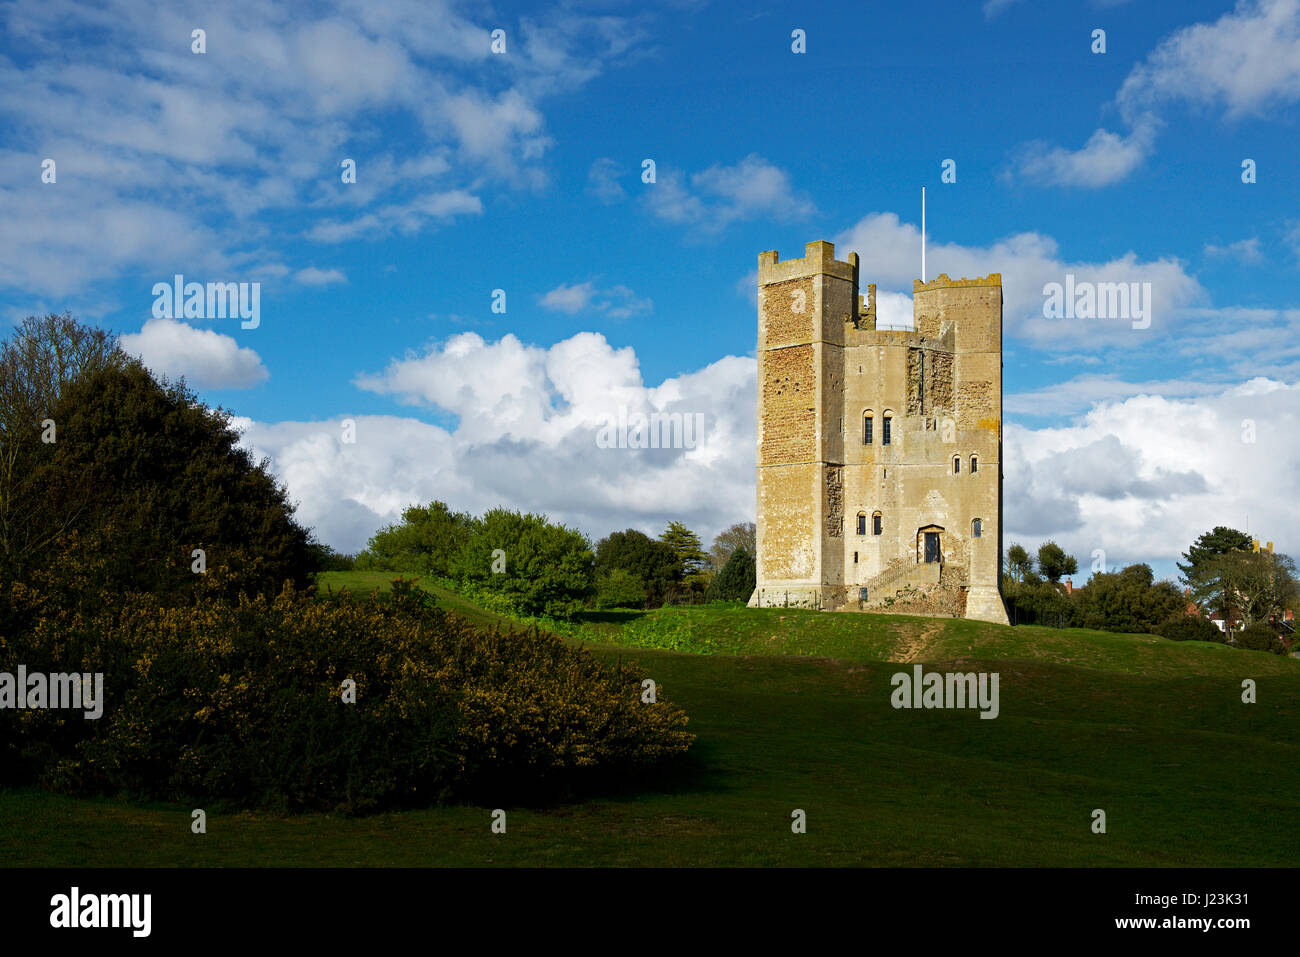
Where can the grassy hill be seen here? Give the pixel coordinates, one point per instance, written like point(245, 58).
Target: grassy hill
point(792, 711)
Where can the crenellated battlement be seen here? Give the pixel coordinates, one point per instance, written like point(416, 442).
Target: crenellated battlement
point(942, 281)
point(818, 259)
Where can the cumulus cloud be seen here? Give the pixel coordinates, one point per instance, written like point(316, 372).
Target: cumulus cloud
point(1243, 250)
point(1027, 262)
point(207, 359)
point(617, 302)
point(311, 276)
point(1141, 477)
point(602, 181)
point(721, 195)
point(1106, 158)
point(1245, 63)
point(230, 144)
point(527, 419)
point(1138, 475)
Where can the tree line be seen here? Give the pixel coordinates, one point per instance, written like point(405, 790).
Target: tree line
point(1222, 573)
point(540, 567)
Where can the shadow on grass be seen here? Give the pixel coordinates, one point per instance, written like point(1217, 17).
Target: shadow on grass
point(612, 616)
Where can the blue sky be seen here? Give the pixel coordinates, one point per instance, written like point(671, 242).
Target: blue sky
point(521, 171)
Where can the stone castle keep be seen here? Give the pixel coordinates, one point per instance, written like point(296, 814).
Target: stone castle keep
point(879, 450)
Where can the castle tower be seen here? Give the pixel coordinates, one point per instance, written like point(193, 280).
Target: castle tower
point(804, 306)
point(879, 450)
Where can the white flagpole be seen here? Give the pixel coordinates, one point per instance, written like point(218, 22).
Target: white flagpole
point(922, 234)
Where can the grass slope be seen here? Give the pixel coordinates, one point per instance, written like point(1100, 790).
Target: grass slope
point(1153, 732)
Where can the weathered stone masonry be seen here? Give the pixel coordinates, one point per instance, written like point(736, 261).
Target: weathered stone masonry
point(847, 519)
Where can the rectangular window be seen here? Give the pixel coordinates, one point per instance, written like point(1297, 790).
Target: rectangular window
point(977, 527)
point(866, 430)
point(884, 432)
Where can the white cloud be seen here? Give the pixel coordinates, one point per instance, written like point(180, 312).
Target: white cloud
point(527, 419)
point(228, 146)
point(311, 276)
point(1243, 250)
point(1027, 262)
point(602, 181)
point(1139, 475)
point(570, 299)
point(721, 195)
point(1245, 63)
point(207, 359)
point(1106, 158)
point(616, 302)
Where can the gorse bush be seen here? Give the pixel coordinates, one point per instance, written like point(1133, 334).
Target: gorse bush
point(241, 701)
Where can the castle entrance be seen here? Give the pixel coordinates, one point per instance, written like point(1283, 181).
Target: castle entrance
point(932, 546)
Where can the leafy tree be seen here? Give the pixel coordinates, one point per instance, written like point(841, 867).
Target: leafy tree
point(654, 564)
point(1128, 601)
point(686, 545)
point(426, 540)
point(1201, 572)
point(1053, 562)
point(1257, 585)
point(1035, 601)
point(740, 535)
point(619, 589)
point(1019, 564)
point(540, 567)
point(38, 361)
point(167, 475)
point(737, 579)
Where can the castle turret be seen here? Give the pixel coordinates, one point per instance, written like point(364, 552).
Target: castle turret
point(803, 308)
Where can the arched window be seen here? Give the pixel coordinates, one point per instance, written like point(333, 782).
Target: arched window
point(976, 528)
point(876, 526)
point(956, 464)
point(885, 435)
point(867, 423)
point(974, 464)
point(862, 523)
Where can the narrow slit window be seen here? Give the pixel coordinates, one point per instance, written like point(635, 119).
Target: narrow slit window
point(956, 464)
point(976, 528)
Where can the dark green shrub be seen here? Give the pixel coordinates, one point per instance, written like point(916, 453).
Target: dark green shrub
point(1182, 627)
point(1260, 636)
point(619, 589)
point(241, 701)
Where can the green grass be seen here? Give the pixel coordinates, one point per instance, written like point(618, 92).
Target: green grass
point(792, 711)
